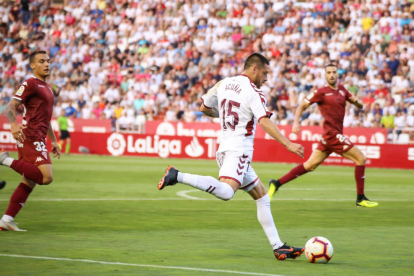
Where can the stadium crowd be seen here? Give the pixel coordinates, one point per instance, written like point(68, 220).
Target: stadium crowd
point(143, 60)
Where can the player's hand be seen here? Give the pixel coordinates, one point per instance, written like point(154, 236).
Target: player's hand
point(17, 132)
point(354, 98)
point(296, 148)
point(56, 150)
point(296, 128)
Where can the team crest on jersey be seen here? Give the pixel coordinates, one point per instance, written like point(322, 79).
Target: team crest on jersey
point(342, 92)
point(44, 155)
point(310, 96)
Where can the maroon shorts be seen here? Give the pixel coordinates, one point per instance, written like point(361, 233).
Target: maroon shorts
point(334, 143)
point(34, 152)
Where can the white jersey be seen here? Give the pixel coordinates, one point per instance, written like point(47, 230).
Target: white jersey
point(241, 105)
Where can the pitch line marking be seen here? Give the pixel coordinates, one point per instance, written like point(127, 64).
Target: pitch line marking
point(184, 194)
point(140, 265)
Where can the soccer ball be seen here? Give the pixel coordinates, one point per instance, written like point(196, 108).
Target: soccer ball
point(319, 250)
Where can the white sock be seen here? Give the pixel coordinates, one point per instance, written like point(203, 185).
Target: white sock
point(264, 214)
point(8, 161)
point(208, 184)
point(7, 218)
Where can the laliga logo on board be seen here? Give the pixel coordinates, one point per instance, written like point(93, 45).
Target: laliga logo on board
point(116, 144)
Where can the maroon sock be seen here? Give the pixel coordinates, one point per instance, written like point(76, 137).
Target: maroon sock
point(294, 173)
point(28, 170)
point(360, 179)
point(18, 199)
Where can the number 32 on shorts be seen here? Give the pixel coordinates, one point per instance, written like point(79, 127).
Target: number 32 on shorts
point(40, 146)
point(342, 139)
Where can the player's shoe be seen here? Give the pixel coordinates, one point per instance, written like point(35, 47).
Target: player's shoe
point(286, 251)
point(365, 202)
point(2, 184)
point(9, 226)
point(273, 187)
point(169, 178)
point(3, 155)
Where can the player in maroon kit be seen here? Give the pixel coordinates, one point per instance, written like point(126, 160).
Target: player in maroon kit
point(34, 162)
point(331, 100)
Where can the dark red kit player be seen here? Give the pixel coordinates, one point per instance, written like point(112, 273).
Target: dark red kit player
point(331, 100)
point(34, 162)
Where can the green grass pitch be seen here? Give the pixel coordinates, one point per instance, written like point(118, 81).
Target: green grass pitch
point(125, 219)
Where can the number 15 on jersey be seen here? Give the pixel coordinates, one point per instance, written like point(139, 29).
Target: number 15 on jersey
point(230, 116)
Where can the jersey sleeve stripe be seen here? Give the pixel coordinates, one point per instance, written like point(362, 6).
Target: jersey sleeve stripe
point(17, 98)
point(306, 100)
point(268, 115)
point(205, 104)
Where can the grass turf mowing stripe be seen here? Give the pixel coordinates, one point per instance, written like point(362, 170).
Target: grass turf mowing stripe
point(140, 265)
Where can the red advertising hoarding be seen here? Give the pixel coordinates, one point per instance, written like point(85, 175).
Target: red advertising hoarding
point(312, 133)
point(120, 144)
point(74, 125)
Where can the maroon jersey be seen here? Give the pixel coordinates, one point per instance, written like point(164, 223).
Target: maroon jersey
point(37, 98)
point(331, 103)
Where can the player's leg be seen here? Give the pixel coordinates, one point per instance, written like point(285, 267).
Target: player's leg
point(310, 165)
point(355, 155)
point(17, 201)
point(223, 189)
point(23, 168)
point(231, 176)
point(47, 172)
point(38, 174)
point(67, 149)
point(264, 215)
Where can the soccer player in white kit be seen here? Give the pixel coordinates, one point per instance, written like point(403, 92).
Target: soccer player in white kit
point(240, 104)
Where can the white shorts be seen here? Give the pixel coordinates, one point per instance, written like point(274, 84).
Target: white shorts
point(236, 165)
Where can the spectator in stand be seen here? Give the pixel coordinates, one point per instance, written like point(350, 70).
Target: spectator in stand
point(125, 122)
point(410, 119)
point(3, 106)
point(368, 100)
point(393, 64)
point(387, 121)
point(70, 111)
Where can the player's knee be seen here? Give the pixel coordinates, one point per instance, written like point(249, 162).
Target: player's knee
point(361, 160)
point(225, 192)
point(311, 167)
point(226, 197)
point(47, 180)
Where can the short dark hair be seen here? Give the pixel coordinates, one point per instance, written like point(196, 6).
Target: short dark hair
point(34, 54)
point(330, 65)
point(255, 59)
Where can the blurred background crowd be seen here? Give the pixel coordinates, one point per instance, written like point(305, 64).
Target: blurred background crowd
point(131, 60)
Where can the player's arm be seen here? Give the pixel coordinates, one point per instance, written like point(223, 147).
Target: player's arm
point(53, 140)
point(210, 112)
point(16, 129)
point(296, 124)
point(210, 104)
point(355, 101)
point(275, 133)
